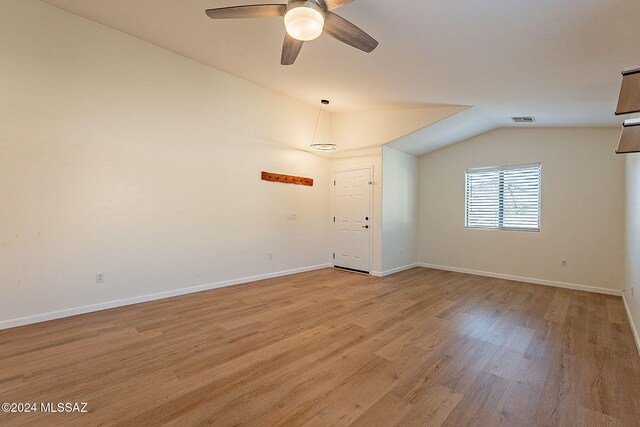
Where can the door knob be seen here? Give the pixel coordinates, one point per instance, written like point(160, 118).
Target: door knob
point(365, 226)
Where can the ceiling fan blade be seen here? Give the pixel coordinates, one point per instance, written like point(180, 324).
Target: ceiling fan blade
point(348, 33)
point(250, 11)
point(290, 50)
point(334, 4)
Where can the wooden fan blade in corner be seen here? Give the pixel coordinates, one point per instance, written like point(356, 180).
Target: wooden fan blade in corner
point(334, 4)
point(290, 50)
point(250, 11)
point(348, 33)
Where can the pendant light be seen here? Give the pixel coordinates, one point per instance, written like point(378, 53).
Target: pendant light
point(629, 100)
point(629, 103)
point(324, 141)
point(630, 138)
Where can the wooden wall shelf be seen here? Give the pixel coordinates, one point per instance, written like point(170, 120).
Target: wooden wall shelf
point(287, 179)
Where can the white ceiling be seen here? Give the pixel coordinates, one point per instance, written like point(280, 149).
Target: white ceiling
point(455, 128)
point(557, 60)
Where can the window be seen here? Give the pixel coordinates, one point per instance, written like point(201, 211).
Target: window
point(503, 198)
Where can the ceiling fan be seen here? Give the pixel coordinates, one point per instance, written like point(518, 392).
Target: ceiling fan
point(304, 20)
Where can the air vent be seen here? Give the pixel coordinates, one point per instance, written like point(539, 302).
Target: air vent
point(523, 119)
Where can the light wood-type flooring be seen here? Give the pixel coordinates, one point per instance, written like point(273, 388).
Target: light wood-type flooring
point(422, 347)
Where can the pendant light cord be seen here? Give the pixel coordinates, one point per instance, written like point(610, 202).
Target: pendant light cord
point(315, 131)
point(333, 135)
point(327, 143)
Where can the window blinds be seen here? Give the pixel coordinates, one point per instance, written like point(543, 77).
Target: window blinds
point(504, 198)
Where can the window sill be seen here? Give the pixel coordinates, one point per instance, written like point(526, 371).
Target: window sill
point(526, 230)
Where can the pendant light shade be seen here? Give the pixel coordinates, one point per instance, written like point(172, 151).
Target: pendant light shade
point(323, 134)
point(630, 139)
point(629, 101)
point(324, 147)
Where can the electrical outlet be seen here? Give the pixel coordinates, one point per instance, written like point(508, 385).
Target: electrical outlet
point(401, 252)
point(564, 263)
point(270, 255)
point(99, 277)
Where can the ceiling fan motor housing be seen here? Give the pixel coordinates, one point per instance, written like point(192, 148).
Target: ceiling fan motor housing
point(320, 3)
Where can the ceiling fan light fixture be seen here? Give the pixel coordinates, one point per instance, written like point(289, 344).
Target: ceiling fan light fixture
point(304, 21)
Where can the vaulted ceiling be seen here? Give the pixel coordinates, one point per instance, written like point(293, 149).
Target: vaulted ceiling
point(556, 60)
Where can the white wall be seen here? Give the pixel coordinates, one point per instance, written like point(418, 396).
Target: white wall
point(582, 218)
point(399, 209)
point(633, 242)
point(120, 157)
point(371, 157)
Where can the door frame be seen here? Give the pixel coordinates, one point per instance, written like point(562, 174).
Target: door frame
point(370, 168)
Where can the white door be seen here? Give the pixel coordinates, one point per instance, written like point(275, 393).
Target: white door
point(352, 211)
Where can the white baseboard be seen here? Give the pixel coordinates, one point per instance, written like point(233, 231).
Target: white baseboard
point(37, 318)
point(636, 337)
point(393, 270)
point(544, 282)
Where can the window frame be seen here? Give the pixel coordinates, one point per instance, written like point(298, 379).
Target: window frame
point(501, 198)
